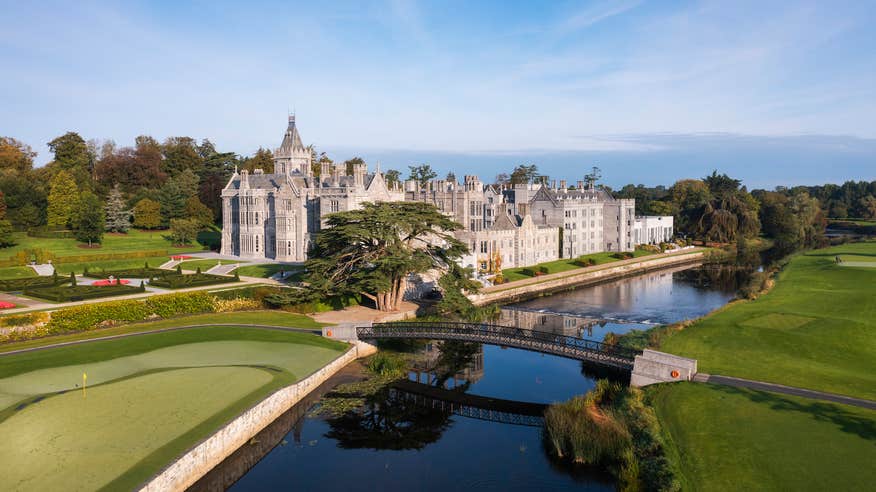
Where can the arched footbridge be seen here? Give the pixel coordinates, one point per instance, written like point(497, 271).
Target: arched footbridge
point(506, 336)
point(646, 367)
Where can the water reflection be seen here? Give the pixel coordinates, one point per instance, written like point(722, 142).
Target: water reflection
point(662, 297)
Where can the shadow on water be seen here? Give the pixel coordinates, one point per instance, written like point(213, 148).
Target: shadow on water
point(824, 412)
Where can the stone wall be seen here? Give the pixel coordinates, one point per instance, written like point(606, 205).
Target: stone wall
point(203, 457)
point(567, 280)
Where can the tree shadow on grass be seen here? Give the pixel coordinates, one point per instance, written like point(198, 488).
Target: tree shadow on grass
point(822, 411)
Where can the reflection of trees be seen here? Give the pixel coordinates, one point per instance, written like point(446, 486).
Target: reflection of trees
point(598, 371)
point(384, 423)
point(455, 356)
point(726, 278)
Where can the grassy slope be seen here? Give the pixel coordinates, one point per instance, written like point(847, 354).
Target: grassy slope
point(564, 265)
point(816, 329)
point(738, 439)
point(271, 318)
point(134, 240)
point(197, 421)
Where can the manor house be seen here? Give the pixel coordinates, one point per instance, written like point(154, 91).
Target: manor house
point(274, 216)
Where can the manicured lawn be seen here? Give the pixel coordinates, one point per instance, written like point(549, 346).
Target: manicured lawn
point(203, 264)
point(816, 329)
point(722, 438)
point(270, 318)
point(149, 398)
point(78, 268)
point(566, 264)
point(134, 240)
point(266, 270)
point(16, 272)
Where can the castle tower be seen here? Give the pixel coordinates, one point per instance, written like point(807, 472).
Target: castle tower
point(292, 157)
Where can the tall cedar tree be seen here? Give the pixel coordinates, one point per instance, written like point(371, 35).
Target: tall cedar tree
point(373, 250)
point(89, 221)
point(118, 217)
point(147, 214)
point(63, 200)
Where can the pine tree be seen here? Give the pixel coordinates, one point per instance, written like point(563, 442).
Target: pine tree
point(118, 217)
point(63, 200)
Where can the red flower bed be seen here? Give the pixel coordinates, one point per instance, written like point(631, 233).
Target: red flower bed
point(6, 305)
point(181, 257)
point(101, 283)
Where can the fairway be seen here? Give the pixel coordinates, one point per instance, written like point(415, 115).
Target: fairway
point(149, 398)
point(815, 329)
point(725, 438)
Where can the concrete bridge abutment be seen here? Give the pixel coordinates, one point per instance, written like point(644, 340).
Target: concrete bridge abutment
point(654, 367)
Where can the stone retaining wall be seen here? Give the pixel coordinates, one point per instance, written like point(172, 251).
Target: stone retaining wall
point(587, 277)
point(209, 453)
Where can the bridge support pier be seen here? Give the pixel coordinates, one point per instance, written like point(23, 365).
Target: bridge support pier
point(654, 367)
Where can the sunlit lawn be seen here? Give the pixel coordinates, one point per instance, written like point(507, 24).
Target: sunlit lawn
point(566, 264)
point(816, 329)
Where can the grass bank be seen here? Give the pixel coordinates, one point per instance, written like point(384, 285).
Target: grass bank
point(815, 329)
point(722, 438)
point(565, 265)
point(162, 393)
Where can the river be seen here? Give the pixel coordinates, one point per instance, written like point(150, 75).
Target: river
point(404, 444)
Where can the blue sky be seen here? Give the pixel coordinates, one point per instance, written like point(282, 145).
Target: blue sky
point(772, 92)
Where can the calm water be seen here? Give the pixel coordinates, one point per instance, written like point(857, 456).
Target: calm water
point(404, 446)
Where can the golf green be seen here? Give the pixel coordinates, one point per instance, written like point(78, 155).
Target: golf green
point(148, 399)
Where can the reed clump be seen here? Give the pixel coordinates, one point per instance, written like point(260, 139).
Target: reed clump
point(613, 427)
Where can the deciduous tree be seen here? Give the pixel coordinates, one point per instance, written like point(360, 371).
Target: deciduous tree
point(63, 200)
point(422, 174)
point(88, 220)
point(184, 231)
point(147, 214)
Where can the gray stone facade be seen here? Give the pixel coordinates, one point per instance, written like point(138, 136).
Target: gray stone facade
point(274, 216)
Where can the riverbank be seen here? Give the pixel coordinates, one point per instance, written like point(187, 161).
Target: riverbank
point(814, 329)
point(532, 287)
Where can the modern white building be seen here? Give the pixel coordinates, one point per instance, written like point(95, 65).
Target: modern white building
point(653, 229)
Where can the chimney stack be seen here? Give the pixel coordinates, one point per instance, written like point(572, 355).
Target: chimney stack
point(563, 185)
point(580, 185)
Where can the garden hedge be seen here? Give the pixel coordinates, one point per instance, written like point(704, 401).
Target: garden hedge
point(91, 316)
point(20, 284)
point(66, 293)
point(177, 281)
point(142, 272)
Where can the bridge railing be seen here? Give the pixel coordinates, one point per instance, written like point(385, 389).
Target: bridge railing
point(425, 329)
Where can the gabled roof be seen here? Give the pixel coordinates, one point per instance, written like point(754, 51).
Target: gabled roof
point(504, 222)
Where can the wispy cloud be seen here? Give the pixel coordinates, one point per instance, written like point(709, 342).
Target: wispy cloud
point(593, 14)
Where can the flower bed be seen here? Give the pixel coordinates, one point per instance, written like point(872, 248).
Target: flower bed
point(6, 305)
point(80, 292)
point(192, 280)
point(103, 283)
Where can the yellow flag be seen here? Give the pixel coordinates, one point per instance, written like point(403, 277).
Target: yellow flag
point(84, 380)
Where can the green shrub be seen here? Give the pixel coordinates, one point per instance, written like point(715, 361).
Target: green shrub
point(387, 364)
point(543, 270)
point(528, 272)
point(90, 316)
point(622, 255)
point(584, 261)
point(179, 304)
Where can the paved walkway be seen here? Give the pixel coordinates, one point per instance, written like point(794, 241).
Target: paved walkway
point(788, 390)
point(361, 314)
